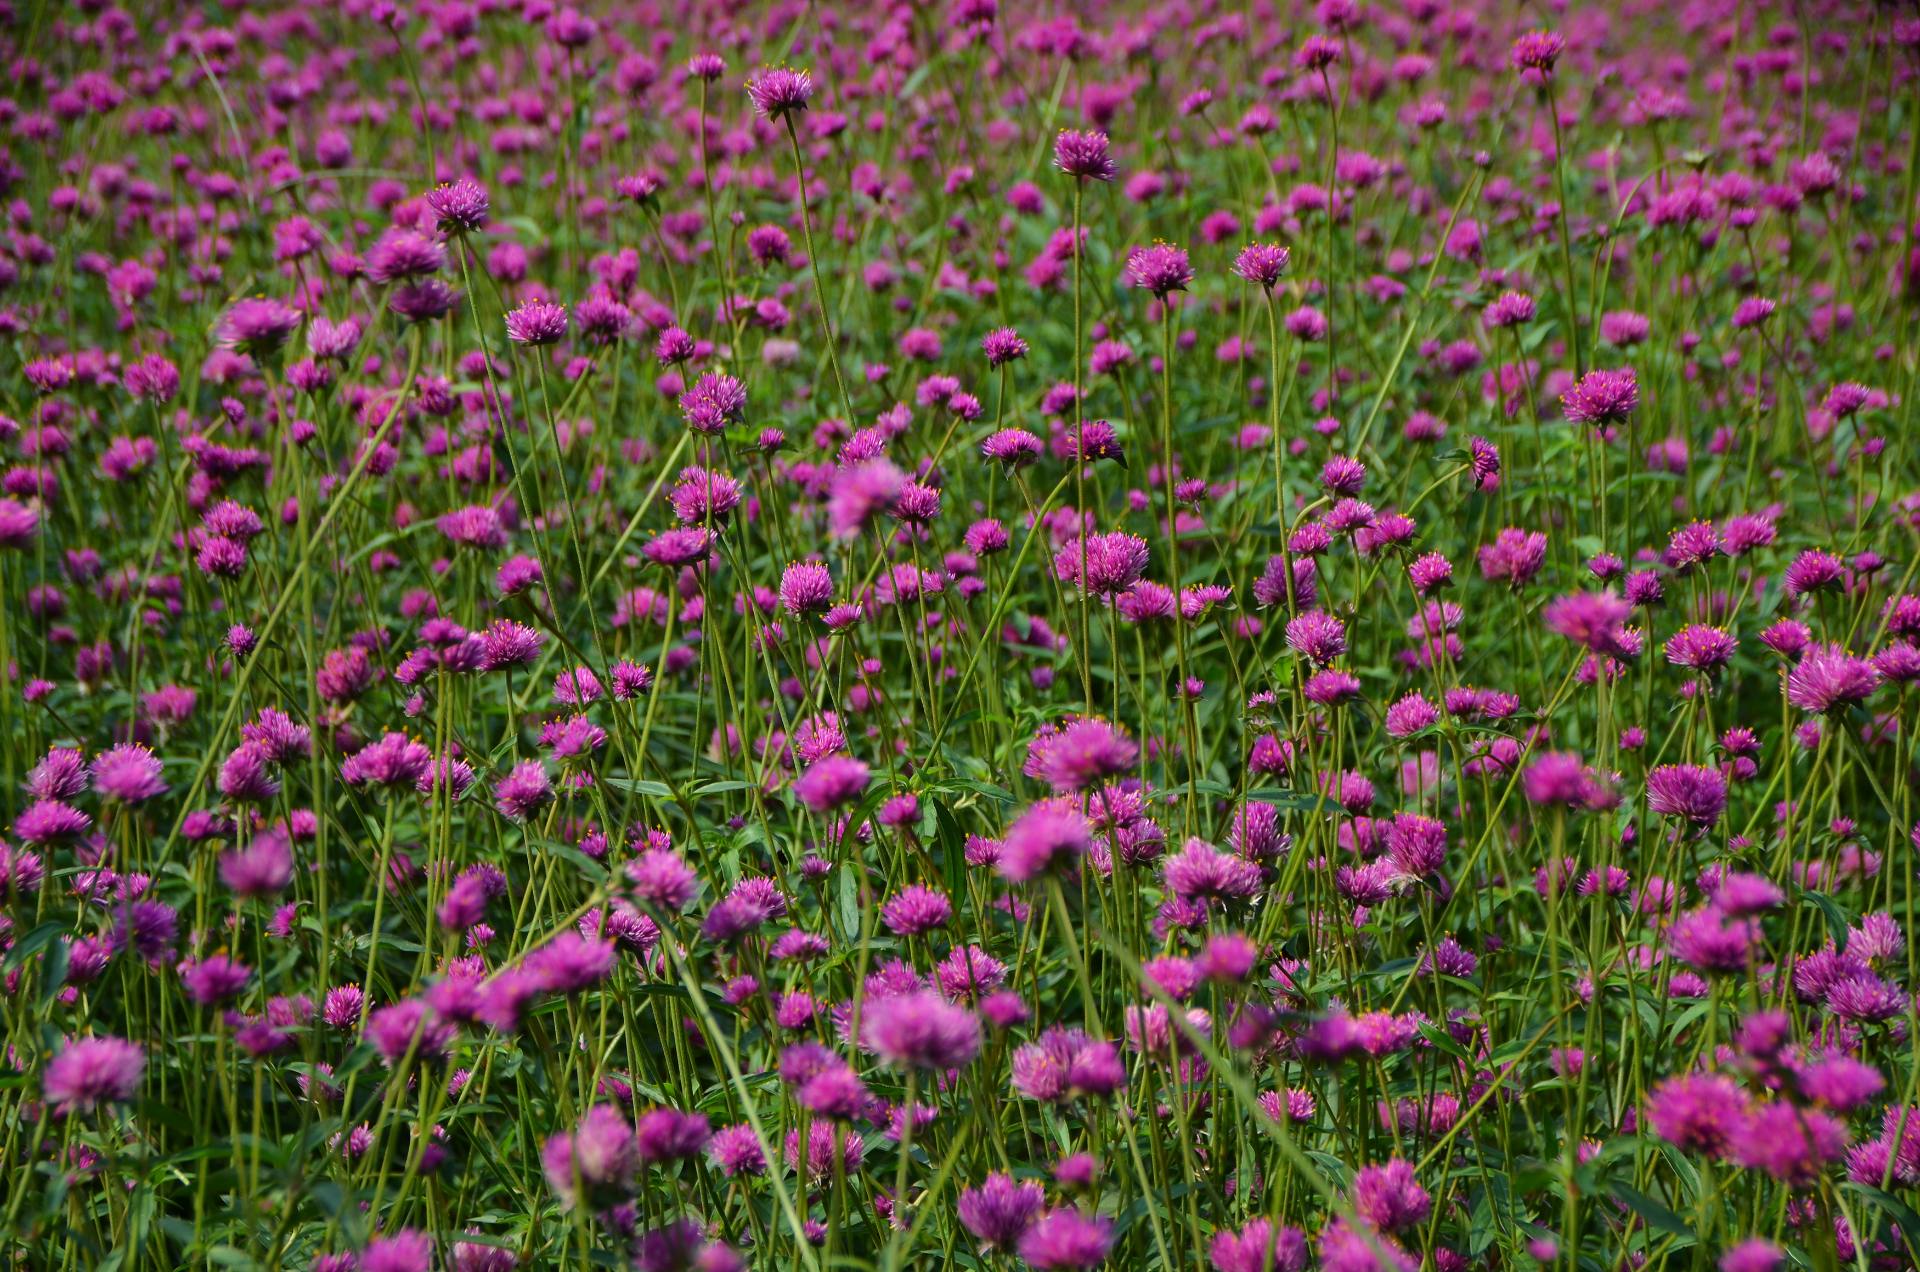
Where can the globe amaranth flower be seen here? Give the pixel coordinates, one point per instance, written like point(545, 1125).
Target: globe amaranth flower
point(460, 206)
point(1699, 1112)
point(832, 782)
point(1535, 53)
point(1692, 792)
point(1102, 565)
point(1160, 268)
point(595, 1162)
point(90, 1073)
point(1084, 155)
point(1508, 309)
point(423, 300)
point(1000, 1210)
point(1003, 345)
point(916, 910)
point(1389, 1197)
point(1828, 679)
point(1698, 647)
point(1044, 838)
point(1593, 619)
point(1260, 1247)
point(861, 493)
point(1513, 557)
point(779, 92)
point(713, 401)
point(1602, 397)
point(257, 325)
point(1079, 754)
point(806, 587)
point(921, 1030)
point(537, 322)
point(128, 773)
point(1317, 636)
point(1262, 263)
point(1066, 1239)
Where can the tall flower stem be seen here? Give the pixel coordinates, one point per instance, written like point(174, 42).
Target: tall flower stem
point(813, 263)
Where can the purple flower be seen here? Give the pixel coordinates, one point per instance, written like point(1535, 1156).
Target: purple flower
point(1602, 397)
point(1066, 1238)
point(257, 325)
point(779, 92)
point(1160, 268)
point(128, 773)
point(1828, 679)
point(915, 911)
point(832, 782)
point(860, 494)
point(89, 1073)
point(1000, 1210)
point(1084, 155)
point(664, 1135)
point(596, 1162)
point(538, 322)
point(921, 1030)
point(1046, 837)
point(1262, 263)
point(1102, 565)
point(1259, 1247)
point(1688, 791)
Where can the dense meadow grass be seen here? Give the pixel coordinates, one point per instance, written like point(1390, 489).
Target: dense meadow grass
point(700, 636)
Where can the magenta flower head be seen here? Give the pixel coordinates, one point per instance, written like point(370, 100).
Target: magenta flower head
point(596, 1162)
point(1013, 447)
point(1003, 345)
point(1102, 565)
point(257, 326)
point(1593, 619)
point(1317, 53)
point(1535, 53)
point(1049, 836)
point(1828, 679)
point(714, 401)
point(832, 782)
point(806, 587)
point(1258, 1247)
point(461, 206)
point(1508, 309)
point(860, 494)
point(1484, 458)
point(1691, 792)
point(921, 1030)
point(1602, 397)
point(665, 1135)
point(1698, 1111)
point(1160, 268)
point(1079, 754)
point(538, 322)
point(1067, 1239)
point(1262, 263)
point(1389, 1197)
point(128, 773)
point(779, 92)
point(1000, 1210)
point(1085, 156)
point(1698, 647)
point(423, 301)
point(90, 1073)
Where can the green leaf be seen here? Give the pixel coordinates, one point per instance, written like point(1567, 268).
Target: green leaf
point(1658, 1217)
point(30, 944)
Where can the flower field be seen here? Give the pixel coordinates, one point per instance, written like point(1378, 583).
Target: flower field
point(697, 636)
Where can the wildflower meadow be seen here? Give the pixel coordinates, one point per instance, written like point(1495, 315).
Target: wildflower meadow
point(700, 635)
